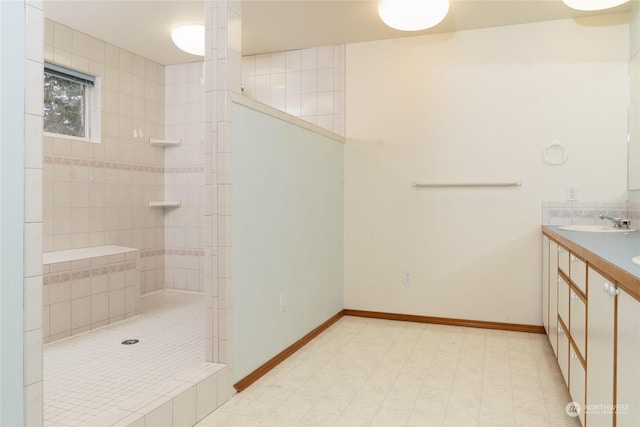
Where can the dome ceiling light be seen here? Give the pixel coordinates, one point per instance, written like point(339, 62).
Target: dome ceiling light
point(593, 4)
point(412, 15)
point(189, 38)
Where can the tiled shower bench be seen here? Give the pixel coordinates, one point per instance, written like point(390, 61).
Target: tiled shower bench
point(88, 288)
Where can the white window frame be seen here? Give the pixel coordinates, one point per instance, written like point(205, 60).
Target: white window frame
point(92, 101)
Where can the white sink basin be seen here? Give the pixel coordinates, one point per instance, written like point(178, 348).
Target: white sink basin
point(595, 228)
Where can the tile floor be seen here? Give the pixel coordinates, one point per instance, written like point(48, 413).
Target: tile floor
point(369, 372)
point(92, 379)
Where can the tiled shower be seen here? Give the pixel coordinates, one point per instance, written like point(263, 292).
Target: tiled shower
point(98, 194)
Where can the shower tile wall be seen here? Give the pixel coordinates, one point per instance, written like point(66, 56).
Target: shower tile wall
point(306, 83)
point(184, 177)
point(97, 194)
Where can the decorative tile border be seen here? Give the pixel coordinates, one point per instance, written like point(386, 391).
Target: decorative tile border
point(69, 161)
point(87, 273)
point(151, 252)
point(172, 251)
point(192, 169)
point(184, 252)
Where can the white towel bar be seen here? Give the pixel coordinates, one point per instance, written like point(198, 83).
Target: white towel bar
point(515, 183)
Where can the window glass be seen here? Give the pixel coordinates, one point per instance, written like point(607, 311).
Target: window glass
point(67, 101)
point(64, 106)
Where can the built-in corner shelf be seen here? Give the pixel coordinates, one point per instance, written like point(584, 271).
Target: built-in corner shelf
point(165, 204)
point(165, 142)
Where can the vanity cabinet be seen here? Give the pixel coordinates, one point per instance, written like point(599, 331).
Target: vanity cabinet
point(596, 335)
point(628, 361)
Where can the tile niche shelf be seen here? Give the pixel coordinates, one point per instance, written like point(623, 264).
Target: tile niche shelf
point(165, 203)
point(165, 142)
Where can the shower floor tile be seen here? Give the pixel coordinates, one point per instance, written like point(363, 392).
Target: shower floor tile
point(93, 379)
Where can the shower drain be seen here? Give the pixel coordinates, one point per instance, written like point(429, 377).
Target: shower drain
point(129, 342)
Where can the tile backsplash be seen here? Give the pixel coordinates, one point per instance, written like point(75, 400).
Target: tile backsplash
point(564, 213)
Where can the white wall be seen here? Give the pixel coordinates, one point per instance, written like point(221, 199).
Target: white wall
point(287, 234)
point(475, 105)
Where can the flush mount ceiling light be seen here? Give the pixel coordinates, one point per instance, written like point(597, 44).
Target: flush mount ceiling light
point(412, 15)
point(593, 4)
point(189, 38)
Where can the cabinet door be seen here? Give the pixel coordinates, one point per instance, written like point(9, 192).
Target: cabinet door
point(563, 260)
point(628, 368)
point(578, 322)
point(563, 301)
point(578, 273)
point(600, 362)
point(563, 353)
point(577, 383)
point(553, 295)
point(545, 283)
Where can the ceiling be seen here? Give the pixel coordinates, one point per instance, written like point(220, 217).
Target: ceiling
point(143, 26)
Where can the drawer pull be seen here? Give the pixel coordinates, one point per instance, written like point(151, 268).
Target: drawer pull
point(573, 356)
point(560, 330)
point(613, 291)
point(605, 287)
point(574, 296)
point(574, 258)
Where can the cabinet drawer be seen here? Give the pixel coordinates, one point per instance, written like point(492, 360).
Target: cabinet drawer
point(563, 353)
point(563, 260)
point(563, 300)
point(577, 382)
point(578, 273)
point(578, 322)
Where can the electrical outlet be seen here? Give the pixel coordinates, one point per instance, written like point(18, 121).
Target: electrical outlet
point(407, 277)
point(283, 301)
point(572, 192)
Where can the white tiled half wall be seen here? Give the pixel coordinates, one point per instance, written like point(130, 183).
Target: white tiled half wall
point(98, 194)
point(184, 177)
point(306, 83)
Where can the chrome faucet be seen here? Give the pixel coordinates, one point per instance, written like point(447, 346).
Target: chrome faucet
point(617, 222)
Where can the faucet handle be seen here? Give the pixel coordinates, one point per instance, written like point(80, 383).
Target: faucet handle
point(624, 223)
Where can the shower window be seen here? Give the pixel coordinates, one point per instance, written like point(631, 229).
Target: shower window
point(70, 98)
